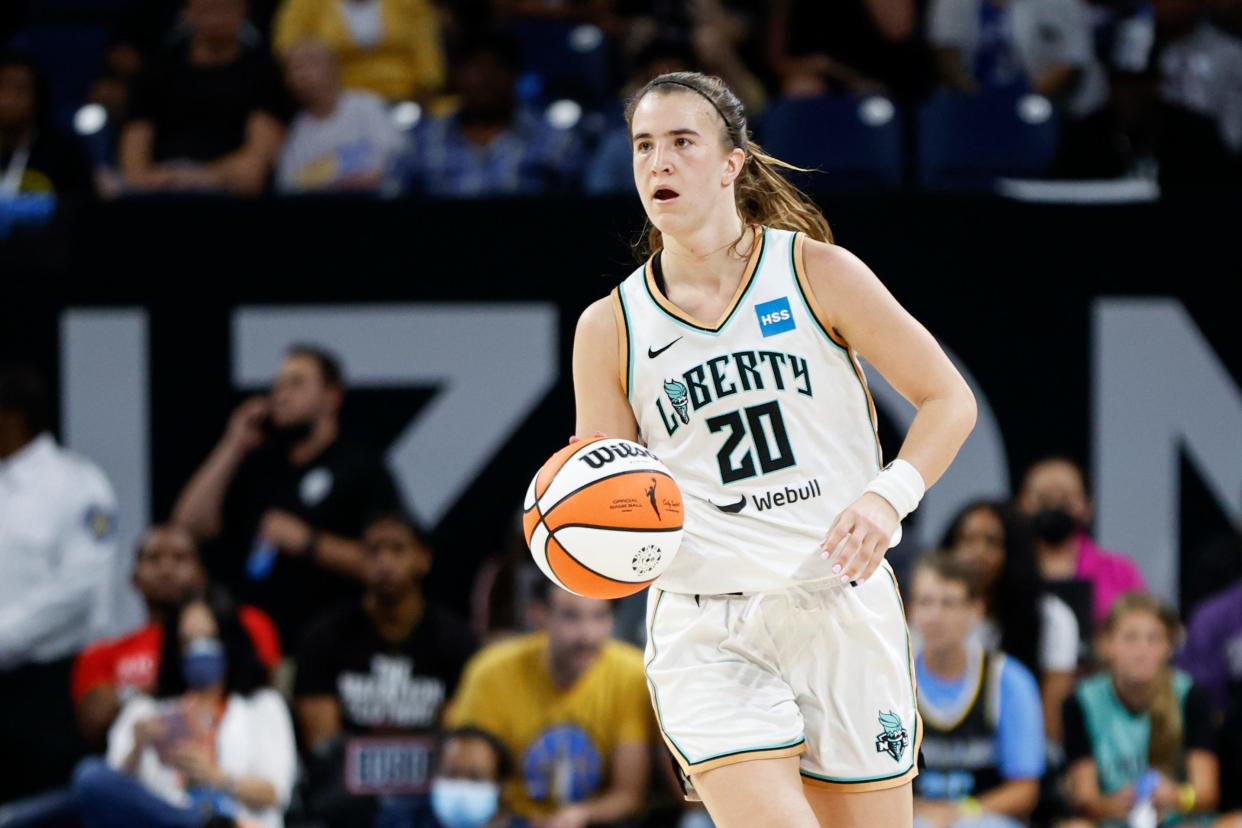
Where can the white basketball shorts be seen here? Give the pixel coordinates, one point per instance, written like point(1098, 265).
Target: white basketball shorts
point(820, 670)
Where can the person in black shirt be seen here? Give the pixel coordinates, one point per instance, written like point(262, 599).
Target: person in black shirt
point(285, 498)
point(381, 667)
point(34, 156)
point(207, 113)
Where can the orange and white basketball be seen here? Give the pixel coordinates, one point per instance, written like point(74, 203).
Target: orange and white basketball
point(603, 517)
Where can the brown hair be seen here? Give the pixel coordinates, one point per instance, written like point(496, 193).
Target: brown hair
point(762, 194)
point(949, 567)
point(1164, 749)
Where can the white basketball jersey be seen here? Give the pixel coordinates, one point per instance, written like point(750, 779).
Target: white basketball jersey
point(763, 417)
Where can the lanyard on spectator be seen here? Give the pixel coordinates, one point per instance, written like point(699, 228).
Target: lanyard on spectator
point(11, 183)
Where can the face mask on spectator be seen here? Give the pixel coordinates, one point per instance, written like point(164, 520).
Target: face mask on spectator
point(203, 663)
point(464, 803)
point(1054, 525)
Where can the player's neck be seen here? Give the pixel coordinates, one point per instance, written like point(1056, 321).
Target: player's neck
point(705, 256)
point(946, 662)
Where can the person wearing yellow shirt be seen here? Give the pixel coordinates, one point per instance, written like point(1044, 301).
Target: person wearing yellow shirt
point(389, 47)
point(571, 705)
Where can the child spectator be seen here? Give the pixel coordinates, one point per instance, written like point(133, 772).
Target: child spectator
point(983, 740)
point(1139, 715)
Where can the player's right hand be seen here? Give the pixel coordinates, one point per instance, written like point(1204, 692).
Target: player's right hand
point(245, 429)
point(574, 438)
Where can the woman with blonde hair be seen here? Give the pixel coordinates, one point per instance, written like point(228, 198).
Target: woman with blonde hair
point(778, 657)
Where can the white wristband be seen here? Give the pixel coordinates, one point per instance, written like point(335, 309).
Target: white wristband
point(901, 485)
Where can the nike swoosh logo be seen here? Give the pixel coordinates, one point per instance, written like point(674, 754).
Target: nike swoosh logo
point(731, 508)
point(652, 353)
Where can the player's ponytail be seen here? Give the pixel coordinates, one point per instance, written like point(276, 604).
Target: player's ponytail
point(763, 195)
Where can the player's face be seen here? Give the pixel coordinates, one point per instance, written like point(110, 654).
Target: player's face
point(577, 629)
point(393, 560)
point(1053, 484)
point(299, 394)
point(1137, 648)
point(941, 611)
point(168, 569)
point(682, 170)
point(980, 543)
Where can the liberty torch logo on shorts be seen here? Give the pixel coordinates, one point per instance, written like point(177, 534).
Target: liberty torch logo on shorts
point(893, 740)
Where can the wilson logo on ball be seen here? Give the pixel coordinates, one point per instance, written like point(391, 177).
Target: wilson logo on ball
point(602, 456)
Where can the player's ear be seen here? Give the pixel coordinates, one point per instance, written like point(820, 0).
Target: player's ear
point(734, 162)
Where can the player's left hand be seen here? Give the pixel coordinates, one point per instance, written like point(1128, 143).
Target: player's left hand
point(571, 816)
point(288, 533)
point(859, 537)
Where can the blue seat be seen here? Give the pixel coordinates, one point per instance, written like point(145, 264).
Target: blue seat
point(968, 141)
point(856, 143)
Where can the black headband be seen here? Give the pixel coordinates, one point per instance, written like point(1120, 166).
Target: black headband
point(745, 145)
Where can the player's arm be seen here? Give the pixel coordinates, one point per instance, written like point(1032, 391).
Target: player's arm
point(861, 310)
point(600, 402)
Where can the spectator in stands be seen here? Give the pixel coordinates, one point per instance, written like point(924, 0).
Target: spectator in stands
point(1041, 45)
point(1200, 66)
point(167, 573)
point(720, 37)
point(57, 555)
point(1054, 496)
point(857, 47)
point(1033, 626)
point(572, 706)
point(388, 47)
point(490, 146)
point(215, 742)
point(983, 738)
point(207, 112)
point(283, 481)
point(471, 767)
point(383, 666)
point(342, 139)
point(35, 157)
point(1138, 715)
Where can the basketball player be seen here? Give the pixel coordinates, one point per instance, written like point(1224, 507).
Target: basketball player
point(778, 657)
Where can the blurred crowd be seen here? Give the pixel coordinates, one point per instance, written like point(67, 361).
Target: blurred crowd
point(292, 670)
point(476, 98)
